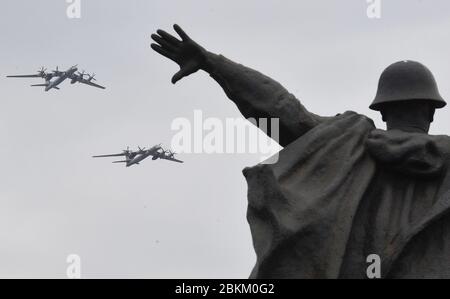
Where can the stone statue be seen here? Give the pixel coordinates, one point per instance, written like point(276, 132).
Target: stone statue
point(341, 190)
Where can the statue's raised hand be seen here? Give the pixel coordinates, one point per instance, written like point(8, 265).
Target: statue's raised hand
point(189, 55)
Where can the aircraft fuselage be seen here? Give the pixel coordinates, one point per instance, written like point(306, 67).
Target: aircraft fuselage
point(61, 79)
point(142, 156)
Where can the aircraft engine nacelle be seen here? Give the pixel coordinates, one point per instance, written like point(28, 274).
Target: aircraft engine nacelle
point(73, 81)
point(155, 158)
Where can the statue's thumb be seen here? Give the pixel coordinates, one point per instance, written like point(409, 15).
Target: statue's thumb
point(177, 77)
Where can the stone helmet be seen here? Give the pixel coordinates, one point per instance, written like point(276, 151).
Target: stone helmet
point(404, 81)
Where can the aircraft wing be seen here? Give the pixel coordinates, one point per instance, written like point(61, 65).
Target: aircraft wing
point(112, 155)
point(87, 82)
point(171, 159)
point(25, 76)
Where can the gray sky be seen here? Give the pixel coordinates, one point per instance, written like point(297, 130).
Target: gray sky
point(164, 220)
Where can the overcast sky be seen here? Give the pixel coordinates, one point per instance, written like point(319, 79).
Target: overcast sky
point(162, 219)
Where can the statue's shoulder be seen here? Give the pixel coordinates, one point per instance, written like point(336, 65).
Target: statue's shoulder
point(355, 116)
point(443, 142)
point(445, 138)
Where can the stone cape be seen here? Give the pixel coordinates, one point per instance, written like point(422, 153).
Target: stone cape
point(331, 200)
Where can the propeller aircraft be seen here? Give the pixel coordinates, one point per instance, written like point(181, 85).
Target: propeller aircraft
point(135, 157)
point(60, 76)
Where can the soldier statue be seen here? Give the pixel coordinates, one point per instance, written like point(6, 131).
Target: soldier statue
point(342, 190)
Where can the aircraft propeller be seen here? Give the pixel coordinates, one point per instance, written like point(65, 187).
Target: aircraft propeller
point(42, 71)
point(82, 74)
point(170, 153)
point(127, 151)
point(91, 77)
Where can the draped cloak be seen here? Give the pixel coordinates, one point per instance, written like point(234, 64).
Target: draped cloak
point(344, 191)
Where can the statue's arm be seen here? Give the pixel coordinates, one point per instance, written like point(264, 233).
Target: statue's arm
point(256, 95)
point(260, 97)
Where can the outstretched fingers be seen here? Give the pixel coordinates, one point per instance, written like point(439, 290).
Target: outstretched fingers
point(168, 37)
point(177, 50)
point(164, 52)
point(164, 43)
point(181, 33)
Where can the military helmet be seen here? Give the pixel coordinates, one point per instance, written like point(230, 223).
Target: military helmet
point(404, 81)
